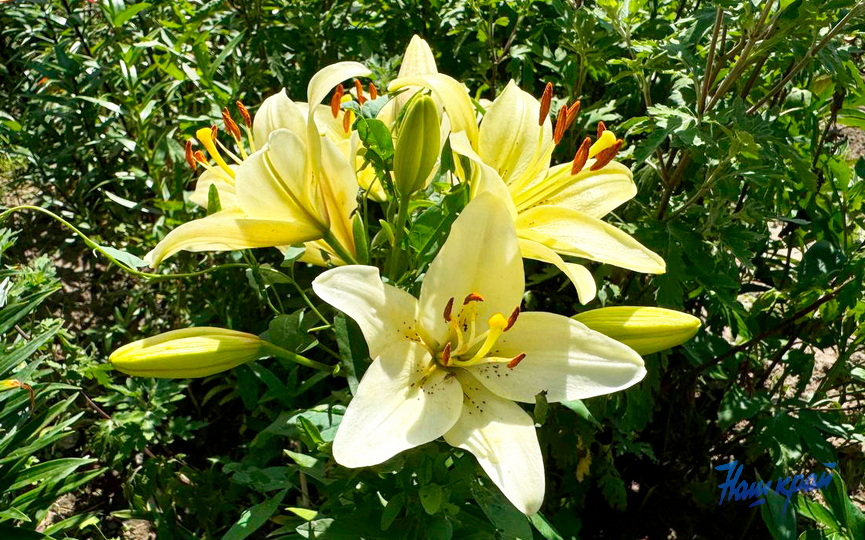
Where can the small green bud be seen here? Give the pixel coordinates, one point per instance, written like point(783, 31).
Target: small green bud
point(644, 329)
point(417, 147)
point(191, 352)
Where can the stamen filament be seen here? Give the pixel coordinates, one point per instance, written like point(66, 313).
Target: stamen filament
point(497, 327)
point(231, 154)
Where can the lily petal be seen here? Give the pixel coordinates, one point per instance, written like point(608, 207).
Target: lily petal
point(224, 183)
point(277, 112)
point(572, 233)
point(327, 78)
point(272, 183)
point(566, 360)
point(230, 230)
point(319, 86)
point(502, 437)
point(481, 255)
point(482, 177)
point(510, 139)
point(577, 273)
point(418, 58)
point(402, 401)
point(339, 190)
point(451, 95)
point(384, 313)
point(593, 193)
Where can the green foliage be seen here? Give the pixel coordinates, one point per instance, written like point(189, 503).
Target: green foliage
point(747, 188)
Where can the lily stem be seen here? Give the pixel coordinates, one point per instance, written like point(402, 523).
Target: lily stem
point(279, 352)
point(93, 245)
point(337, 247)
point(395, 259)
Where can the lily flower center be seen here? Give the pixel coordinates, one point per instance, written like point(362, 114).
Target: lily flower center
point(464, 345)
point(208, 137)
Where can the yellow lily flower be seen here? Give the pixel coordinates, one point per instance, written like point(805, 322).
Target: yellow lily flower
point(298, 187)
point(453, 362)
point(557, 209)
point(645, 329)
point(190, 352)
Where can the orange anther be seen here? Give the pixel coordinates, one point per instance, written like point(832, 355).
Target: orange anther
point(213, 131)
point(373, 91)
point(573, 111)
point(516, 360)
point(601, 128)
point(199, 157)
point(190, 159)
point(473, 297)
point(513, 318)
point(546, 100)
point(346, 121)
point(247, 119)
point(605, 156)
point(230, 124)
point(581, 156)
point(446, 354)
point(561, 124)
point(358, 88)
point(448, 309)
point(336, 100)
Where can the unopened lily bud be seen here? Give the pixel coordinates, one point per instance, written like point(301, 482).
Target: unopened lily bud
point(190, 352)
point(417, 148)
point(644, 329)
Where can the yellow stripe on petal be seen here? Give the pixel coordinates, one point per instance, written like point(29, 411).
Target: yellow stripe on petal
point(510, 139)
point(228, 231)
point(571, 233)
point(593, 193)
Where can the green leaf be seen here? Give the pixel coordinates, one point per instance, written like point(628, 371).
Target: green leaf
point(780, 521)
point(128, 259)
point(580, 408)
point(8, 532)
point(503, 515)
point(121, 18)
point(14, 312)
point(392, 510)
point(213, 204)
point(736, 405)
point(544, 527)
point(431, 498)
point(14, 513)
point(289, 332)
point(253, 518)
point(353, 352)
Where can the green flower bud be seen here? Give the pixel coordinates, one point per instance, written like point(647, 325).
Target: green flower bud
point(644, 329)
point(417, 147)
point(191, 352)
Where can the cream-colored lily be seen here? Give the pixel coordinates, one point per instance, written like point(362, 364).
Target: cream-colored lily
point(298, 187)
point(453, 362)
point(557, 209)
